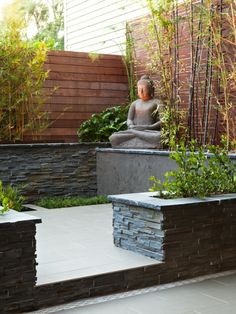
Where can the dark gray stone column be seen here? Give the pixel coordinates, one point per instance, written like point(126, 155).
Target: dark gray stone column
point(17, 261)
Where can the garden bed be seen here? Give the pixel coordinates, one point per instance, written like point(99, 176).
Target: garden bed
point(57, 169)
point(121, 171)
point(189, 233)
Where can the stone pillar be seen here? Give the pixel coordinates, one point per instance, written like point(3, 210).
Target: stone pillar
point(17, 261)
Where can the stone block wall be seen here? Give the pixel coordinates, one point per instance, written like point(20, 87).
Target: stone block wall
point(50, 169)
point(139, 230)
point(201, 235)
point(195, 237)
point(17, 261)
point(122, 171)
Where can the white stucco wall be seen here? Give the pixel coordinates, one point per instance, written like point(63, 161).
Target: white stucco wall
point(99, 25)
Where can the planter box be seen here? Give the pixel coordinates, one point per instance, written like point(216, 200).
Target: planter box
point(122, 171)
point(183, 233)
point(50, 169)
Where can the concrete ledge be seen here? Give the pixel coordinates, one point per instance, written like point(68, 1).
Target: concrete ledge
point(150, 200)
point(122, 171)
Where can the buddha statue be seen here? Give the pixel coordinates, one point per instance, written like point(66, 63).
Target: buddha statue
point(143, 120)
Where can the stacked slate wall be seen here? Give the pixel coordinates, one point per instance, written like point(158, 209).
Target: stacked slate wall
point(41, 170)
point(17, 262)
point(194, 238)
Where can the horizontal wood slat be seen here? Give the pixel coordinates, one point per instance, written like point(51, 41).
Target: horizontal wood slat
point(89, 77)
point(98, 62)
point(84, 69)
point(85, 93)
point(86, 85)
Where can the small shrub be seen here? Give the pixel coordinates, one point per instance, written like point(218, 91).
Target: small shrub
point(59, 202)
point(10, 198)
point(101, 125)
point(197, 175)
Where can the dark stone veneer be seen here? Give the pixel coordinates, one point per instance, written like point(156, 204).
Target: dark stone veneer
point(190, 234)
point(50, 169)
point(194, 238)
point(17, 261)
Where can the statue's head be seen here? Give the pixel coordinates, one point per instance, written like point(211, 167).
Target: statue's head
point(145, 88)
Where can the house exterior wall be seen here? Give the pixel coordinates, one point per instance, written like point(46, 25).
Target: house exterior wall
point(99, 25)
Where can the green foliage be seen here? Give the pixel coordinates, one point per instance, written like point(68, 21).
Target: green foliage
point(51, 31)
point(10, 198)
point(3, 200)
point(59, 202)
point(47, 17)
point(101, 125)
point(129, 61)
point(172, 127)
point(21, 80)
point(197, 175)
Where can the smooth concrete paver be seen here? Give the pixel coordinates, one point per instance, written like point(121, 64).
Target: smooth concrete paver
point(212, 296)
point(77, 241)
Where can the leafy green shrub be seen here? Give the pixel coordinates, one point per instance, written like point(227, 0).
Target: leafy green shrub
point(4, 200)
point(59, 202)
point(10, 198)
point(21, 80)
point(101, 125)
point(197, 175)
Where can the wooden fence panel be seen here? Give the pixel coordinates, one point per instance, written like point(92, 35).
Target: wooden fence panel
point(77, 87)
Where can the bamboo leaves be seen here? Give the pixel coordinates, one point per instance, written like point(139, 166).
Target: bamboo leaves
point(21, 80)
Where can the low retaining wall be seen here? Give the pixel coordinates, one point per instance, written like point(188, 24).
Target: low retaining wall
point(50, 169)
point(192, 236)
point(121, 171)
point(128, 170)
point(17, 261)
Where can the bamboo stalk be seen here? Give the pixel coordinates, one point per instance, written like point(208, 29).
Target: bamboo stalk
point(191, 100)
point(209, 79)
point(218, 76)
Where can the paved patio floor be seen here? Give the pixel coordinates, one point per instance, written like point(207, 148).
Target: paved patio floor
point(76, 242)
point(213, 295)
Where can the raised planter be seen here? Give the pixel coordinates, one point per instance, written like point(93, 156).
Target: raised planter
point(121, 171)
point(188, 234)
point(54, 169)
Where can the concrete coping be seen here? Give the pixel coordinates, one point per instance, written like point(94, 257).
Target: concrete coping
point(148, 200)
point(54, 145)
point(134, 151)
point(13, 216)
point(145, 151)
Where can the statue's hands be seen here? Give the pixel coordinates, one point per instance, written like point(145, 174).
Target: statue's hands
point(139, 127)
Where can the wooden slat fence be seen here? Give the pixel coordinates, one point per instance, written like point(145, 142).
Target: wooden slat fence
point(83, 86)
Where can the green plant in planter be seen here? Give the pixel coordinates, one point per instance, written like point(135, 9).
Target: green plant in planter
point(198, 175)
point(101, 125)
point(10, 198)
point(4, 200)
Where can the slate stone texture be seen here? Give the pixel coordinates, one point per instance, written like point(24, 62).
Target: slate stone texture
point(198, 236)
point(195, 238)
point(17, 261)
point(50, 169)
